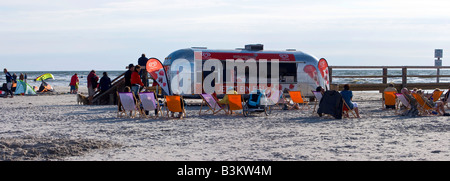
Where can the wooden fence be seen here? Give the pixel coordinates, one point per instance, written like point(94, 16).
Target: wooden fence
point(384, 77)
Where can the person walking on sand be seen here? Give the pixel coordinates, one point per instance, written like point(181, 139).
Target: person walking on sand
point(9, 82)
point(73, 83)
point(92, 80)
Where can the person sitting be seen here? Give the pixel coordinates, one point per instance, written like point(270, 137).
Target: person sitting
point(438, 105)
point(347, 95)
point(390, 88)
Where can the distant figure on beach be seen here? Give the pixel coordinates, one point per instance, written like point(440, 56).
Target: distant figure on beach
point(128, 75)
point(136, 82)
point(25, 77)
point(9, 82)
point(347, 95)
point(142, 61)
point(74, 81)
point(21, 77)
point(105, 83)
point(92, 84)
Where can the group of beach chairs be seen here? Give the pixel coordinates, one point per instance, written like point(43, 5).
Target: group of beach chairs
point(143, 104)
point(414, 102)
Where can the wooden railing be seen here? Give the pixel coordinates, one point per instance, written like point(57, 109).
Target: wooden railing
point(384, 76)
point(116, 84)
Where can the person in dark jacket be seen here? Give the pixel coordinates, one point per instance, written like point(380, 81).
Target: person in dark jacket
point(105, 83)
point(128, 75)
point(142, 61)
point(9, 82)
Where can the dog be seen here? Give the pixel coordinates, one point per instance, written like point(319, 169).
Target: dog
point(82, 100)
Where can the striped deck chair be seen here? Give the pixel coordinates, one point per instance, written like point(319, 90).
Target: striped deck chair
point(174, 103)
point(234, 103)
point(297, 98)
point(212, 103)
point(127, 103)
point(149, 103)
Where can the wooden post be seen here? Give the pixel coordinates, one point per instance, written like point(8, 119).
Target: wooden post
point(438, 73)
point(384, 75)
point(404, 76)
point(330, 74)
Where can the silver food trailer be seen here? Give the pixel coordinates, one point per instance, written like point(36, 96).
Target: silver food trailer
point(297, 70)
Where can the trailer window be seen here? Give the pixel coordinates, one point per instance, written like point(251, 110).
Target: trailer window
point(288, 72)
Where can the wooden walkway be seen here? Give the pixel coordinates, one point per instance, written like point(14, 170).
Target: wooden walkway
point(384, 76)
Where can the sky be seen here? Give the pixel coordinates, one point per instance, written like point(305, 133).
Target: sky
point(110, 34)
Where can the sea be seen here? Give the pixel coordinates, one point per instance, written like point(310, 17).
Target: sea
point(62, 78)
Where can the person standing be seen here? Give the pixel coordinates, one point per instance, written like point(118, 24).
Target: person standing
point(73, 83)
point(136, 82)
point(92, 80)
point(105, 83)
point(128, 75)
point(142, 61)
point(9, 82)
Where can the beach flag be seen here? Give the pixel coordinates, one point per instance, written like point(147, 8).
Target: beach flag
point(323, 68)
point(155, 68)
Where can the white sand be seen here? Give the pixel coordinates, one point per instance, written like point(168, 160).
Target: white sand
point(284, 135)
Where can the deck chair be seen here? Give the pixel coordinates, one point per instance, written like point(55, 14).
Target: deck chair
point(297, 98)
point(277, 99)
point(149, 103)
point(436, 95)
point(234, 102)
point(424, 108)
point(403, 100)
point(389, 100)
point(212, 103)
point(174, 103)
point(346, 109)
point(318, 95)
point(127, 103)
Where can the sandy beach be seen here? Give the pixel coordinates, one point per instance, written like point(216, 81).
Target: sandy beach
point(54, 127)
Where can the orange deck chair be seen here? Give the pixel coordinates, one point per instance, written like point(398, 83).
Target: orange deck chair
point(234, 102)
point(423, 107)
point(390, 99)
point(436, 95)
point(297, 98)
point(174, 103)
